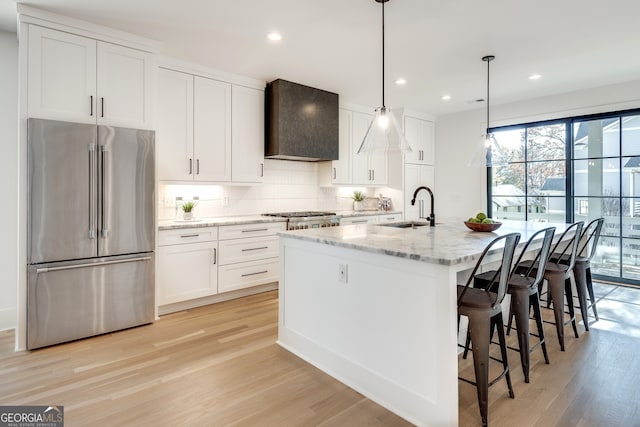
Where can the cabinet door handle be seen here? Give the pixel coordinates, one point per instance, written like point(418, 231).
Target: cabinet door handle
point(251, 230)
point(334, 173)
point(253, 274)
point(102, 107)
point(91, 105)
point(190, 166)
point(197, 166)
point(261, 170)
point(373, 174)
point(215, 256)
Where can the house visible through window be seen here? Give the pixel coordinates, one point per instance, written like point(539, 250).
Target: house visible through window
point(575, 169)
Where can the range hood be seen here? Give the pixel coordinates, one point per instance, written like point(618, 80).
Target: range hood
point(301, 122)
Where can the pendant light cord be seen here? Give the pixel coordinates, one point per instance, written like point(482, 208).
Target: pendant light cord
point(488, 60)
point(488, 83)
point(383, 2)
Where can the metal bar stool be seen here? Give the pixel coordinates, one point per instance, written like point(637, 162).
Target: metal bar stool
point(559, 276)
point(482, 308)
point(524, 295)
point(582, 268)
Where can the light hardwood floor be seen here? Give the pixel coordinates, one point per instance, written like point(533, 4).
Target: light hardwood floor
point(219, 366)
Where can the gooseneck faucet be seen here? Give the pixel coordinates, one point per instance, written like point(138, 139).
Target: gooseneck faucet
point(432, 216)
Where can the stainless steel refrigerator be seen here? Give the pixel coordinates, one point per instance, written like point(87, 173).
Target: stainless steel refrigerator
point(91, 230)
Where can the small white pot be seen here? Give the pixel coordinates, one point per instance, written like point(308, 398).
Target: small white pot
point(358, 206)
point(187, 216)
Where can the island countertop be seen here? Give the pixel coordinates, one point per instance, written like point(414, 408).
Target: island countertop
point(447, 243)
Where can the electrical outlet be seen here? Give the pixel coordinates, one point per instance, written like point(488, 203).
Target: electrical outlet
point(342, 273)
point(225, 201)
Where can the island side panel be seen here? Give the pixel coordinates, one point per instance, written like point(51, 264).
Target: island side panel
point(388, 332)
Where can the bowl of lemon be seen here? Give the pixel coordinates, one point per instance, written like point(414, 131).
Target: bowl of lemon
point(481, 223)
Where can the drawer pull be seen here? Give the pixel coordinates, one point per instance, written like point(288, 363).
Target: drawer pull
point(184, 236)
point(253, 274)
point(255, 249)
point(357, 221)
point(254, 230)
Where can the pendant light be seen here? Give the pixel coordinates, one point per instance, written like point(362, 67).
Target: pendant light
point(482, 154)
point(383, 133)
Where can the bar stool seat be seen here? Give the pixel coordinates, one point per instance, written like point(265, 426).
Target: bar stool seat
point(582, 268)
point(559, 277)
point(483, 309)
point(523, 289)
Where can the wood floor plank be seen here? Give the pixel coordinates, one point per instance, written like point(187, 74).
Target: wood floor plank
point(219, 365)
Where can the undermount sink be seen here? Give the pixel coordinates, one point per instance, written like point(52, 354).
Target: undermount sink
point(406, 224)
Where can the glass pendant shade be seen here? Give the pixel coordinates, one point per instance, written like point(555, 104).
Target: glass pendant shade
point(481, 156)
point(384, 134)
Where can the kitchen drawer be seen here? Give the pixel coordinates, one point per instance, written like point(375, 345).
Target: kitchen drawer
point(367, 219)
point(187, 235)
point(250, 249)
point(247, 274)
point(390, 217)
point(250, 230)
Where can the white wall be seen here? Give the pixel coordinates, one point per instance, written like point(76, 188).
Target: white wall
point(8, 179)
point(462, 189)
point(287, 186)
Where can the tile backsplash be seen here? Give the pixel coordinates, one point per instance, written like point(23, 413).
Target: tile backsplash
point(287, 186)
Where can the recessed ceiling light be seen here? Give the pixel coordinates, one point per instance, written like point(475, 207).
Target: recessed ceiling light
point(274, 36)
point(401, 81)
point(535, 76)
point(446, 97)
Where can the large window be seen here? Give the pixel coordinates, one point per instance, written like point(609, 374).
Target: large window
point(578, 168)
point(531, 183)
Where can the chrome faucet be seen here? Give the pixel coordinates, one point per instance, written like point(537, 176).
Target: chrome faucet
point(432, 216)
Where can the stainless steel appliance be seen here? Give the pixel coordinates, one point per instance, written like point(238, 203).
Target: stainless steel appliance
point(308, 219)
point(91, 231)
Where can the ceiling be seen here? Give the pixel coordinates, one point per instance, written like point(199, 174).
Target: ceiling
point(437, 45)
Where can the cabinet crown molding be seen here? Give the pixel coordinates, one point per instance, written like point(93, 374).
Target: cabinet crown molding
point(33, 15)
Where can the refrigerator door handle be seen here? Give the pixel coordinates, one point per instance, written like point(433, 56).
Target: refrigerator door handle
point(92, 191)
point(95, 264)
point(105, 191)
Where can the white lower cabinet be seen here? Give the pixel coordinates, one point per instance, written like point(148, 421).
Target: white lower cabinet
point(248, 255)
point(187, 264)
point(247, 274)
point(370, 219)
point(390, 217)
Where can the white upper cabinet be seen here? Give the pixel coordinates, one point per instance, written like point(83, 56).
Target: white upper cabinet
point(174, 136)
point(208, 130)
point(341, 168)
point(368, 168)
point(419, 134)
point(79, 79)
point(212, 130)
point(124, 87)
point(194, 128)
point(62, 76)
point(247, 118)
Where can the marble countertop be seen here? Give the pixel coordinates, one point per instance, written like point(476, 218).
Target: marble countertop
point(171, 224)
point(215, 221)
point(447, 243)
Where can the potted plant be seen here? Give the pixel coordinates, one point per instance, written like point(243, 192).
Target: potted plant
point(358, 200)
point(187, 210)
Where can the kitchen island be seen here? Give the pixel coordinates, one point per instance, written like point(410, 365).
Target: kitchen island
point(375, 307)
